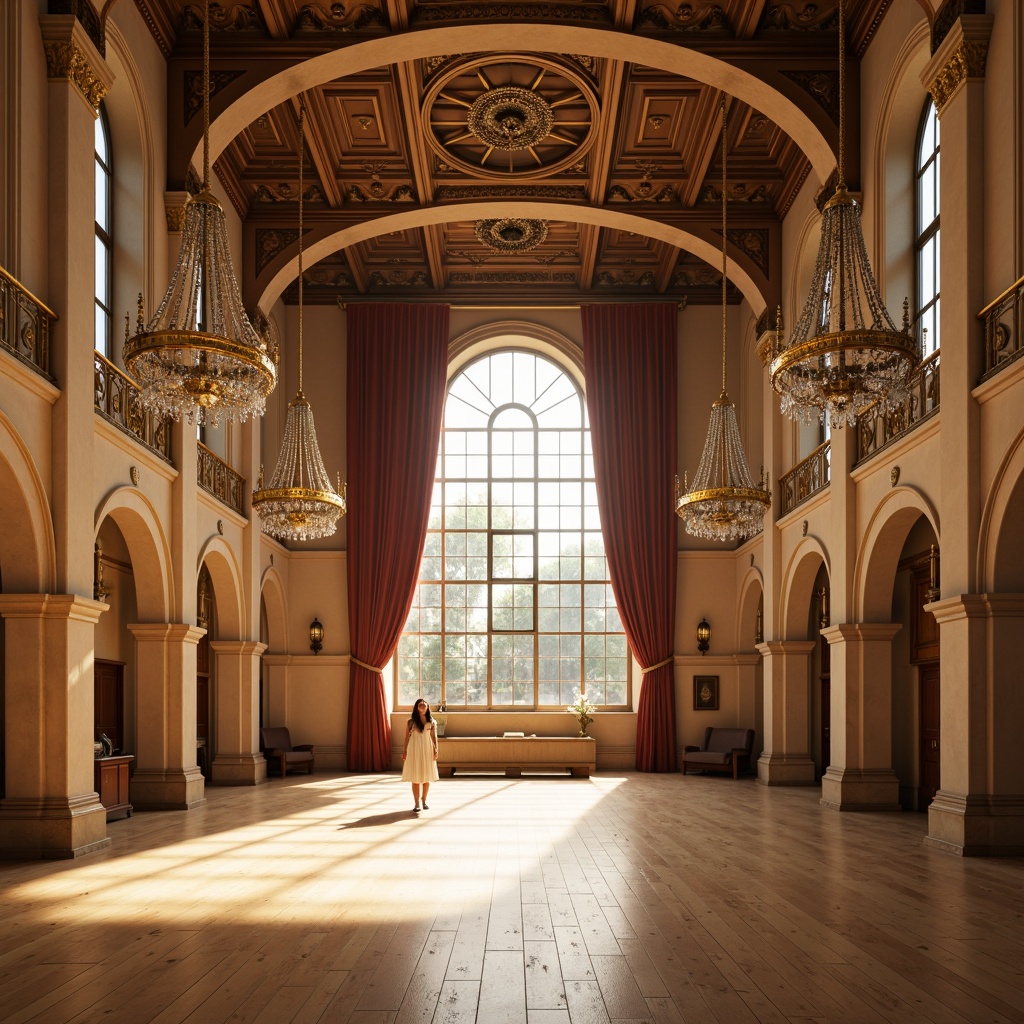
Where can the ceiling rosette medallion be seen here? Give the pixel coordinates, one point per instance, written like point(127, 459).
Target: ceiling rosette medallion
point(514, 117)
point(510, 234)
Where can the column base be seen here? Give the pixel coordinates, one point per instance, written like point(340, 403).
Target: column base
point(52, 828)
point(239, 770)
point(785, 770)
point(859, 789)
point(179, 789)
point(976, 826)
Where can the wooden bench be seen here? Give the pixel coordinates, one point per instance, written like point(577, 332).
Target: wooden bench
point(513, 755)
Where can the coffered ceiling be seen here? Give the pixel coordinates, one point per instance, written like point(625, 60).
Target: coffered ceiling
point(513, 174)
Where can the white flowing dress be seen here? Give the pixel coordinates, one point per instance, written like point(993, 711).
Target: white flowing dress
point(419, 764)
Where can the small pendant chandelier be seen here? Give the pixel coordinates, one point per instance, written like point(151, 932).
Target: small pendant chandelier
point(723, 504)
point(299, 503)
point(199, 355)
point(845, 352)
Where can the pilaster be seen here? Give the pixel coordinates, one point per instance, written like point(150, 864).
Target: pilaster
point(238, 761)
point(50, 808)
point(861, 777)
point(78, 78)
point(166, 774)
point(786, 759)
point(979, 809)
point(955, 78)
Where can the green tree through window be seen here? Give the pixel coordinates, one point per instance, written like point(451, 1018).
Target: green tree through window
point(513, 606)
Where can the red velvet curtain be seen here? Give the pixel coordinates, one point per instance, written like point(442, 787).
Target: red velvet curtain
point(629, 355)
point(397, 372)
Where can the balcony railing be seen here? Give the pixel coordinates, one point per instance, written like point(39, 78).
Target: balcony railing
point(876, 429)
point(216, 477)
point(119, 401)
point(25, 324)
point(806, 478)
point(1004, 323)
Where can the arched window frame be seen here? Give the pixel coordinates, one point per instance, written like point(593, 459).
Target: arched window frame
point(926, 229)
point(104, 247)
point(525, 548)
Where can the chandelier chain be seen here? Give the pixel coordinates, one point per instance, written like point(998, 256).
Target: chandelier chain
point(724, 261)
point(302, 164)
point(842, 99)
point(206, 95)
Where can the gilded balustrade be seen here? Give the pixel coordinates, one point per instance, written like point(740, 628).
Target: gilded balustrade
point(806, 478)
point(216, 477)
point(1004, 324)
point(25, 324)
point(876, 428)
point(119, 401)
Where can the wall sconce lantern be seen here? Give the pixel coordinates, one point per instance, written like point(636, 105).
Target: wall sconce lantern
point(316, 636)
point(703, 637)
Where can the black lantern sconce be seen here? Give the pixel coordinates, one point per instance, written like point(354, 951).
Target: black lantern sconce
point(316, 636)
point(703, 637)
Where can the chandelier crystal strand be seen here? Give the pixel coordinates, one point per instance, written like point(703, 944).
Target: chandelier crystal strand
point(199, 356)
point(724, 503)
point(845, 353)
point(299, 503)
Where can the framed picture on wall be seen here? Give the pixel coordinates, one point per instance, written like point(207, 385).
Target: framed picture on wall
point(705, 693)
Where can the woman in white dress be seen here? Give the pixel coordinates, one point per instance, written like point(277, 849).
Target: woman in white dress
point(419, 755)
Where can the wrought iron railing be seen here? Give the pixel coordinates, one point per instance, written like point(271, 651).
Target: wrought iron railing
point(216, 477)
point(876, 429)
point(119, 401)
point(25, 324)
point(806, 478)
point(1004, 325)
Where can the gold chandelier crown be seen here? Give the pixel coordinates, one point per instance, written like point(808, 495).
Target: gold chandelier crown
point(299, 503)
point(199, 355)
point(724, 503)
point(845, 352)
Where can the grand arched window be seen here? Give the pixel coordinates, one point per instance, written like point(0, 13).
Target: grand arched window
point(513, 607)
point(926, 230)
point(103, 340)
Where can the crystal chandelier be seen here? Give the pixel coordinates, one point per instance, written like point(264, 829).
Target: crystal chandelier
point(845, 352)
point(299, 503)
point(723, 503)
point(199, 355)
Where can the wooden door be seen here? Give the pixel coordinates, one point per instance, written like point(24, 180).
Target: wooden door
point(108, 701)
point(928, 676)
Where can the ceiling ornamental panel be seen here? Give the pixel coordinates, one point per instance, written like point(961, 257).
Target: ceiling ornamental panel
point(523, 137)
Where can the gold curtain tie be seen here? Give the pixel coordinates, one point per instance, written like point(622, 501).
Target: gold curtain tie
point(362, 664)
point(661, 664)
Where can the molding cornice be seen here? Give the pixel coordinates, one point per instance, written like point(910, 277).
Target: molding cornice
point(960, 58)
point(72, 56)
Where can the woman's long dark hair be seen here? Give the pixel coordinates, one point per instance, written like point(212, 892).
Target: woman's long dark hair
point(415, 720)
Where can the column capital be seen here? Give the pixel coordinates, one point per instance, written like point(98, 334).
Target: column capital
point(863, 631)
point(779, 647)
point(976, 606)
point(174, 210)
point(183, 632)
point(240, 647)
point(959, 58)
point(72, 56)
point(51, 606)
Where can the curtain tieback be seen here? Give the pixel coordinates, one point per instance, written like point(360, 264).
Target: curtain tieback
point(661, 664)
point(362, 664)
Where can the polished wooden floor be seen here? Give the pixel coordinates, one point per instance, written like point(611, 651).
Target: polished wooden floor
point(625, 897)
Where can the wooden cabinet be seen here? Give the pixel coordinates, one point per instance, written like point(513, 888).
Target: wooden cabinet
point(110, 777)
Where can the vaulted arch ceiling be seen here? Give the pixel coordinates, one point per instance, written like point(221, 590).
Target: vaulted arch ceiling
point(568, 155)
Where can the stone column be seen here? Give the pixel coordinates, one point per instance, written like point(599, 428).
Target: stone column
point(861, 777)
point(238, 761)
point(166, 774)
point(51, 808)
point(979, 808)
point(786, 759)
